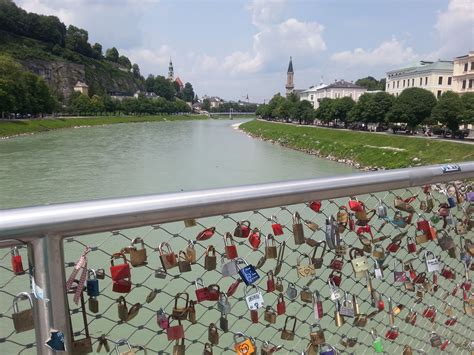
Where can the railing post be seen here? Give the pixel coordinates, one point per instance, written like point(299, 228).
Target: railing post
point(51, 312)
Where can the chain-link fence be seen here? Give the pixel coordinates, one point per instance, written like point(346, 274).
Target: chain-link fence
point(410, 249)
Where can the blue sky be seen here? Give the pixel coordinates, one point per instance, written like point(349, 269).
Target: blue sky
point(231, 48)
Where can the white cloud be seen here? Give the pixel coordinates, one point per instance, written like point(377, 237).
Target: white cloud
point(388, 53)
point(266, 12)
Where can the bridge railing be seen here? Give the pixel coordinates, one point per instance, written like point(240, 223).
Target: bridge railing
point(371, 213)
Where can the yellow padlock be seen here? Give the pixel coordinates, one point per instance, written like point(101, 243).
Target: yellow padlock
point(245, 346)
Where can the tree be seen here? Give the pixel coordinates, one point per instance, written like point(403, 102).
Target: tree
point(448, 111)
point(372, 108)
point(304, 111)
point(149, 83)
point(97, 104)
point(163, 87)
point(188, 93)
point(206, 105)
point(136, 71)
point(467, 101)
point(124, 61)
point(325, 111)
point(370, 83)
point(77, 40)
point(112, 55)
point(97, 50)
point(412, 107)
point(341, 107)
point(273, 104)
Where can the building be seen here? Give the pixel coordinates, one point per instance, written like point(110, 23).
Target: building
point(180, 83)
point(436, 77)
point(81, 87)
point(338, 89)
point(214, 101)
point(463, 73)
point(145, 94)
point(120, 95)
point(170, 71)
point(290, 86)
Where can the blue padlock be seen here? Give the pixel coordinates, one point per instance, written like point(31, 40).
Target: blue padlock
point(451, 202)
point(248, 273)
point(92, 284)
point(327, 349)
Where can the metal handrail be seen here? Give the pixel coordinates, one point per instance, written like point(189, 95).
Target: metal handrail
point(120, 213)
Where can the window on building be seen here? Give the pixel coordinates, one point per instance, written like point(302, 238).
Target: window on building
point(465, 66)
point(426, 80)
point(398, 84)
point(440, 80)
point(450, 80)
point(413, 82)
point(421, 81)
point(472, 65)
point(438, 94)
point(404, 83)
point(471, 82)
point(312, 97)
point(464, 84)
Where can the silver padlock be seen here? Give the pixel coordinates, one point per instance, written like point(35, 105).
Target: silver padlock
point(223, 304)
point(346, 308)
point(381, 209)
point(378, 271)
point(229, 268)
point(331, 233)
point(291, 291)
point(122, 342)
point(432, 262)
point(334, 290)
point(254, 300)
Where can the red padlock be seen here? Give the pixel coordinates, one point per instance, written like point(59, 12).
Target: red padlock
point(242, 230)
point(430, 313)
point(121, 271)
point(175, 332)
point(427, 189)
point(351, 222)
point(233, 287)
point(335, 277)
point(448, 273)
point(213, 292)
point(420, 278)
point(270, 282)
point(337, 263)
point(254, 316)
point(281, 306)
point(315, 206)
point(466, 286)
point(394, 246)
point(380, 305)
point(411, 245)
point(455, 290)
point(206, 234)
point(255, 238)
point(423, 225)
point(276, 227)
point(451, 321)
point(365, 229)
point(445, 344)
point(230, 247)
point(122, 286)
point(355, 205)
point(202, 292)
point(392, 333)
point(17, 263)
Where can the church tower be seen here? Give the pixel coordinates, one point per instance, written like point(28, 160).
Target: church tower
point(170, 71)
point(289, 79)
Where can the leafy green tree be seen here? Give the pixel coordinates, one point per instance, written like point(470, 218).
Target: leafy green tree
point(448, 110)
point(81, 104)
point(273, 104)
point(77, 40)
point(112, 55)
point(370, 83)
point(304, 111)
point(206, 105)
point(150, 83)
point(467, 101)
point(412, 107)
point(163, 87)
point(325, 111)
point(188, 93)
point(97, 51)
point(284, 110)
point(341, 107)
point(125, 62)
point(136, 71)
point(97, 104)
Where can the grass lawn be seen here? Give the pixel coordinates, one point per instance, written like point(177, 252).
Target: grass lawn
point(12, 128)
point(367, 149)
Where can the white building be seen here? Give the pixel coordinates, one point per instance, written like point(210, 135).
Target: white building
point(463, 73)
point(436, 77)
point(335, 90)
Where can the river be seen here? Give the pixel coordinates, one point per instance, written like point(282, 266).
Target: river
point(144, 158)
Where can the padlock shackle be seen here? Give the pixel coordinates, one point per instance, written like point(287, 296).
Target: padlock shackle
point(118, 256)
point(198, 283)
point(162, 245)
point(179, 296)
point(138, 240)
point(318, 244)
point(210, 249)
point(122, 342)
point(19, 297)
point(226, 237)
point(251, 285)
point(294, 323)
point(296, 218)
point(270, 240)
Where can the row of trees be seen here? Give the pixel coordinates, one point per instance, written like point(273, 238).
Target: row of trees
point(227, 106)
point(169, 89)
point(413, 107)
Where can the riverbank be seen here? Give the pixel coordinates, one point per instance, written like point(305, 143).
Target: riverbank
point(14, 128)
point(358, 149)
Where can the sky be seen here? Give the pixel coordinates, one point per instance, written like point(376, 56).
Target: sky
point(235, 48)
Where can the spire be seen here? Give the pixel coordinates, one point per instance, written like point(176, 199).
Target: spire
point(290, 66)
point(170, 71)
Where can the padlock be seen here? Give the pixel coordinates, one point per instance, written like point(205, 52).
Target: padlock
point(138, 256)
point(360, 320)
point(276, 227)
point(169, 259)
point(337, 263)
point(93, 304)
point(420, 278)
point(346, 308)
point(288, 334)
point(404, 205)
point(162, 319)
point(255, 239)
point(206, 234)
point(183, 263)
point(210, 259)
point(378, 252)
point(446, 242)
point(224, 323)
point(432, 263)
point(316, 335)
point(327, 349)
point(448, 310)
point(331, 233)
point(103, 343)
point(192, 312)
point(229, 268)
point(312, 226)
point(92, 284)
point(291, 291)
point(304, 270)
point(242, 230)
point(223, 305)
point(381, 209)
point(348, 342)
point(84, 345)
point(377, 343)
point(254, 300)
point(270, 247)
point(298, 232)
point(435, 340)
point(244, 346)
point(317, 306)
point(174, 332)
point(271, 286)
point(248, 273)
point(207, 349)
point(122, 309)
point(355, 205)
point(359, 262)
point(378, 269)
point(394, 246)
point(160, 273)
point(339, 320)
point(318, 260)
point(451, 321)
point(270, 315)
point(22, 320)
point(100, 274)
point(335, 277)
point(179, 348)
point(122, 342)
point(306, 295)
point(268, 349)
point(366, 244)
point(233, 287)
point(315, 206)
point(191, 222)
point(230, 247)
point(342, 218)
point(411, 317)
point(254, 316)
point(281, 306)
point(411, 245)
point(423, 225)
point(180, 312)
point(448, 273)
point(121, 271)
point(191, 252)
point(17, 263)
point(202, 292)
point(279, 284)
point(213, 334)
point(399, 275)
point(122, 286)
point(214, 291)
point(392, 333)
point(430, 313)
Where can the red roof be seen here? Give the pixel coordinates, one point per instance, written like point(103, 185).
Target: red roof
point(180, 83)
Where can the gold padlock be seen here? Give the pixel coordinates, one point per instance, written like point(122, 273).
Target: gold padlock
point(138, 256)
point(212, 334)
point(317, 336)
point(270, 315)
point(191, 252)
point(210, 259)
point(270, 247)
point(306, 269)
point(337, 316)
point(122, 342)
point(306, 295)
point(289, 334)
point(22, 320)
point(179, 348)
point(180, 312)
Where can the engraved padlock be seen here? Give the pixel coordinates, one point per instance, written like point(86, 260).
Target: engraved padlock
point(22, 320)
point(304, 270)
point(298, 232)
point(432, 262)
point(316, 334)
point(248, 273)
point(138, 255)
point(254, 300)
